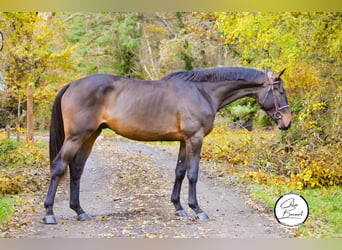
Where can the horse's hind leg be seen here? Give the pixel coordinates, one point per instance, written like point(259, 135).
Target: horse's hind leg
point(59, 165)
point(56, 174)
point(76, 169)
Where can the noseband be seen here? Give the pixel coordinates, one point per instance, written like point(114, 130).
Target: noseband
point(277, 114)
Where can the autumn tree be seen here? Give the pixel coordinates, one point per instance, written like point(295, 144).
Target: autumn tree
point(182, 41)
point(309, 45)
point(34, 54)
point(144, 45)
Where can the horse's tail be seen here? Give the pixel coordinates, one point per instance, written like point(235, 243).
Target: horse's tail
point(57, 127)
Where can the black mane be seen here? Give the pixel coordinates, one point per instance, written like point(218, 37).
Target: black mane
point(218, 74)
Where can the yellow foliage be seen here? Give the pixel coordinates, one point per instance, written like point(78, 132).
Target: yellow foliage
point(154, 29)
point(21, 166)
point(318, 169)
point(258, 157)
point(10, 185)
point(257, 177)
point(34, 53)
point(3, 136)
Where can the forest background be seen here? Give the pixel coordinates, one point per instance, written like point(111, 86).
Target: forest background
point(47, 50)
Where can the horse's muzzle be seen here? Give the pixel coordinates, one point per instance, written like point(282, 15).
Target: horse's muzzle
point(285, 122)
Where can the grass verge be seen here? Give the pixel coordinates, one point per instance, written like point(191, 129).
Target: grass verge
point(6, 208)
point(325, 208)
point(273, 164)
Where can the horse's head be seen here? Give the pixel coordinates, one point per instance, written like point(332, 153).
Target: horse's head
point(272, 99)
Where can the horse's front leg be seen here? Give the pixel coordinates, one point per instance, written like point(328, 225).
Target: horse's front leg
point(180, 174)
point(193, 153)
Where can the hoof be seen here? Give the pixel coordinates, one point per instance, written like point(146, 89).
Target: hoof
point(181, 213)
point(202, 216)
point(49, 219)
point(83, 217)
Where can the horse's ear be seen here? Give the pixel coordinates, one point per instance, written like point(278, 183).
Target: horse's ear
point(269, 74)
point(278, 75)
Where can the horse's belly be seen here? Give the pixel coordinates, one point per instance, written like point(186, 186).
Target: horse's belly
point(146, 130)
point(142, 134)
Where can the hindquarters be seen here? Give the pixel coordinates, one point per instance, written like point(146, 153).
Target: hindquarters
point(83, 104)
point(56, 126)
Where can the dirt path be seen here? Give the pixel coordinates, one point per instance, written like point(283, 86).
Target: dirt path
point(126, 190)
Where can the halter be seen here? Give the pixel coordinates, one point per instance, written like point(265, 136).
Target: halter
point(277, 114)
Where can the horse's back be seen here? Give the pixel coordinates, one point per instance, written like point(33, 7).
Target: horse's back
point(137, 109)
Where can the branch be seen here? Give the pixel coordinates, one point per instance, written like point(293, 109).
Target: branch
point(162, 18)
point(71, 17)
point(148, 73)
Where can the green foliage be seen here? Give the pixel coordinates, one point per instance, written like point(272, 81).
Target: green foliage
point(6, 208)
point(129, 33)
point(262, 119)
point(7, 146)
point(187, 60)
point(242, 110)
point(106, 43)
point(325, 215)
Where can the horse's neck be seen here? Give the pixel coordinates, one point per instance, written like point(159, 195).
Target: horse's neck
point(224, 93)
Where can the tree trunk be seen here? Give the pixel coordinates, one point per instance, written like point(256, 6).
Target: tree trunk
point(18, 123)
point(30, 117)
point(8, 132)
point(18, 132)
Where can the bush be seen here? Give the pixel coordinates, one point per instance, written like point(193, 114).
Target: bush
point(21, 166)
point(242, 110)
point(261, 157)
point(318, 168)
point(9, 185)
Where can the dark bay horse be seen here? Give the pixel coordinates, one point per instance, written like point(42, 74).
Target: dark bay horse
point(179, 107)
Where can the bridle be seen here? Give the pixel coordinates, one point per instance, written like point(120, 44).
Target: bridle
point(277, 114)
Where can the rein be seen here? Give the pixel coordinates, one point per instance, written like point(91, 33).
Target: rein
point(277, 114)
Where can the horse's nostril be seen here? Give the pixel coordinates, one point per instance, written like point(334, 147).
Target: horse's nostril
point(282, 126)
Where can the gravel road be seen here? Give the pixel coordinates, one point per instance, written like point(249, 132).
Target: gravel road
point(126, 188)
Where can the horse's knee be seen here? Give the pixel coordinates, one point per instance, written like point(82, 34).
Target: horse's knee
point(58, 169)
point(192, 176)
point(180, 172)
